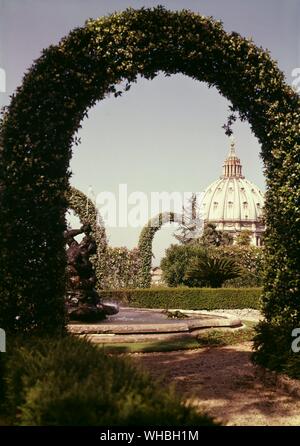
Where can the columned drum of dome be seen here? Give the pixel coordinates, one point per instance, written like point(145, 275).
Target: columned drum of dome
point(233, 203)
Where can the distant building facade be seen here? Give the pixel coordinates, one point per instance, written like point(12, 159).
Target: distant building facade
point(156, 276)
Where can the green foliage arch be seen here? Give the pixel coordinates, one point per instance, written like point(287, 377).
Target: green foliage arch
point(87, 212)
point(122, 268)
point(145, 244)
point(38, 129)
point(114, 267)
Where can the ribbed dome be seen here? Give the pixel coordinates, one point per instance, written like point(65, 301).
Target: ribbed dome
point(232, 197)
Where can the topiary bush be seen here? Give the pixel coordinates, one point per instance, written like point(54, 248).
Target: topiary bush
point(38, 128)
point(123, 266)
point(188, 298)
point(70, 382)
point(145, 244)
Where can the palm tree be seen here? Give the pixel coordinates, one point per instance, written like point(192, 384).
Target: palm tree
point(211, 271)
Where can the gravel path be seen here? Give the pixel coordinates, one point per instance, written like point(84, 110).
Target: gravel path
point(247, 314)
point(223, 382)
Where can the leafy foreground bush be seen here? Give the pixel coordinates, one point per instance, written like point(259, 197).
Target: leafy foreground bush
point(2, 383)
point(187, 298)
point(69, 382)
point(276, 354)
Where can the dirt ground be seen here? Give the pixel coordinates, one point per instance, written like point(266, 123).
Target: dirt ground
point(223, 382)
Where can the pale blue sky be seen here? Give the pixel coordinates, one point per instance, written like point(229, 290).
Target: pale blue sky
point(162, 135)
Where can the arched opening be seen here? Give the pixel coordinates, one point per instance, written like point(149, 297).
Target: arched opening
point(161, 143)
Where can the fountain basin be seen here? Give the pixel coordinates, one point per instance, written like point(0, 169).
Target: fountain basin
point(138, 325)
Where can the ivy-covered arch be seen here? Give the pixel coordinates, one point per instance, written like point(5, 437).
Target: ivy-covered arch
point(87, 212)
point(145, 243)
point(115, 267)
point(38, 129)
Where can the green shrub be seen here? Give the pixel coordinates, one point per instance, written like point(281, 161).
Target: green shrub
point(244, 238)
point(277, 353)
point(211, 271)
point(70, 382)
point(244, 280)
point(187, 298)
point(212, 237)
point(176, 261)
point(245, 261)
point(251, 262)
point(2, 383)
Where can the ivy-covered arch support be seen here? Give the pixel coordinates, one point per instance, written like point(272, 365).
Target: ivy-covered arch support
point(38, 128)
point(87, 212)
point(145, 243)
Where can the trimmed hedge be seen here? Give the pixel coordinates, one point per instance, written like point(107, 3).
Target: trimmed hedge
point(188, 298)
point(70, 382)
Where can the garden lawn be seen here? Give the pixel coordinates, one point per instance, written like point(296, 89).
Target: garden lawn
point(205, 338)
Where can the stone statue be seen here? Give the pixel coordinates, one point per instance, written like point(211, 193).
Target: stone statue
point(82, 300)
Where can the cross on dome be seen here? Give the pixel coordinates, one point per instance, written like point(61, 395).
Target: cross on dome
point(232, 147)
